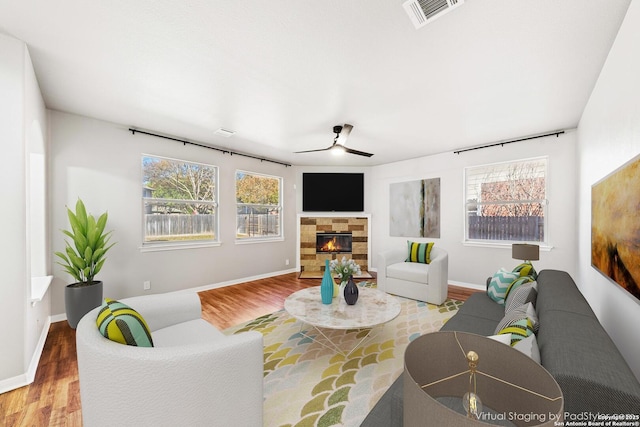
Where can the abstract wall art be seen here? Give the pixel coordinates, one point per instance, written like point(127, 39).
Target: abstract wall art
point(415, 208)
point(615, 226)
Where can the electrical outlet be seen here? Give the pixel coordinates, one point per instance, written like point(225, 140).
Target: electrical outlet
point(146, 285)
point(286, 262)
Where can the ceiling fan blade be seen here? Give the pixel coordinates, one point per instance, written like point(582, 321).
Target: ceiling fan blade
point(359, 153)
point(344, 134)
point(313, 151)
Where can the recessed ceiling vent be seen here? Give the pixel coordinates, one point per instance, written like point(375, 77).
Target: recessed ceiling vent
point(423, 12)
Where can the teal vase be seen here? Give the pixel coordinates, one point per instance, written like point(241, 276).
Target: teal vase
point(326, 287)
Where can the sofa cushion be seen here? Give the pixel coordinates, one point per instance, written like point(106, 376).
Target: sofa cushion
point(481, 306)
point(500, 283)
point(191, 332)
point(524, 294)
point(419, 252)
point(558, 291)
point(120, 323)
point(410, 271)
point(529, 346)
point(522, 280)
point(472, 324)
point(517, 313)
point(581, 356)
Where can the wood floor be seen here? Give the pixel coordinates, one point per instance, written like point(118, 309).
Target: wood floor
point(53, 399)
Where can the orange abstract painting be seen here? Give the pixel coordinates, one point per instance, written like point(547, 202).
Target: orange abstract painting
point(615, 226)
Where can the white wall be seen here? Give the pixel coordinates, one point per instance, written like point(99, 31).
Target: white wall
point(100, 162)
point(37, 236)
point(469, 264)
point(608, 137)
point(24, 326)
point(13, 250)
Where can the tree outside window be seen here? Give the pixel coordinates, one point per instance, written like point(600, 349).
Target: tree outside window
point(259, 206)
point(507, 201)
point(179, 201)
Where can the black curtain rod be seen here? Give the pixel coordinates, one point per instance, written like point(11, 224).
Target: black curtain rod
point(222, 150)
point(556, 133)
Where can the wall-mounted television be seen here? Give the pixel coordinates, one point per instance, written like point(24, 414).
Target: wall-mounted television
point(332, 192)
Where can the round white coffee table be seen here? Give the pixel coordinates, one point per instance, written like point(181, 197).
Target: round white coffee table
point(374, 308)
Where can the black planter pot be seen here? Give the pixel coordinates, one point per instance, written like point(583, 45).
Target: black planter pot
point(79, 300)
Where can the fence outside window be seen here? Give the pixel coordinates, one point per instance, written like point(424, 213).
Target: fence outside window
point(507, 201)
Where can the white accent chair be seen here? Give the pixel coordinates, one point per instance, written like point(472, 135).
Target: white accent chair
point(423, 282)
point(193, 376)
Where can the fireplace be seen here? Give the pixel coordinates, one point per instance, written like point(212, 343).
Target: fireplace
point(355, 227)
point(340, 243)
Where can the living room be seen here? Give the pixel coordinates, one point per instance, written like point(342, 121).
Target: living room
point(100, 161)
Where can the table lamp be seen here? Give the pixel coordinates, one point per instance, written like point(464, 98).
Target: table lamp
point(462, 379)
point(525, 252)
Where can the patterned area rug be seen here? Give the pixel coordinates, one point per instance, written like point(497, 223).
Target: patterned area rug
point(307, 384)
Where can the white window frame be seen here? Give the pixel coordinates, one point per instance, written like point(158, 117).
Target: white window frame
point(278, 207)
point(172, 245)
point(468, 204)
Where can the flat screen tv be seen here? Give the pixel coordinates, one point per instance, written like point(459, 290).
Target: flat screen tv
point(333, 192)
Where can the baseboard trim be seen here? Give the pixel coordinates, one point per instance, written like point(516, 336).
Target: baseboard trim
point(467, 285)
point(237, 281)
point(28, 377)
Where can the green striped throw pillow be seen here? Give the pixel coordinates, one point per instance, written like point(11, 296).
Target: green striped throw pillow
point(526, 269)
point(120, 323)
point(519, 330)
point(419, 252)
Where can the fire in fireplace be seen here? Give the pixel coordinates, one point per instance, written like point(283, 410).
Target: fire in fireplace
point(333, 242)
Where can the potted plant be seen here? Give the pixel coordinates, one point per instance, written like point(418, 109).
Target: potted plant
point(83, 259)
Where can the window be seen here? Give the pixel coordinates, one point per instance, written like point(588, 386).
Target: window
point(179, 201)
point(506, 202)
point(259, 206)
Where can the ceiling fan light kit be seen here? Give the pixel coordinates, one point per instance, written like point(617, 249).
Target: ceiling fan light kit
point(338, 147)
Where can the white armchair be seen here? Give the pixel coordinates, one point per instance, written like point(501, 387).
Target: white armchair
point(194, 375)
point(423, 282)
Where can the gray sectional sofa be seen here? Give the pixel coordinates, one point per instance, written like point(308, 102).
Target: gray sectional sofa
point(574, 348)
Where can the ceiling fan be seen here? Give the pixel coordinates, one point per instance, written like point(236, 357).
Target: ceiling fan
point(342, 132)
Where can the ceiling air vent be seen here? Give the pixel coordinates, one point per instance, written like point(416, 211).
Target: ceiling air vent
point(423, 12)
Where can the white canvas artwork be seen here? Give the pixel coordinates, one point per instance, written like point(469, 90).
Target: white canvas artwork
point(415, 208)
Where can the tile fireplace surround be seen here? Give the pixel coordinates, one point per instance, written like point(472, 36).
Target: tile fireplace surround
point(310, 225)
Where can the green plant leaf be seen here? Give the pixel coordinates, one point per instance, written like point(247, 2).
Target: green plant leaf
point(92, 235)
point(102, 223)
point(71, 271)
point(77, 262)
point(81, 243)
point(81, 215)
point(97, 255)
point(88, 255)
point(63, 256)
point(74, 222)
point(98, 267)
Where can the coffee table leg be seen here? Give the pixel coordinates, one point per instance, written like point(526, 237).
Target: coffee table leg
point(333, 345)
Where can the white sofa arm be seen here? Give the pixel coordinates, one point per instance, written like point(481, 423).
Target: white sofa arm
point(385, 259)
point(163, 310)
point(218, 383)
point(439, 271)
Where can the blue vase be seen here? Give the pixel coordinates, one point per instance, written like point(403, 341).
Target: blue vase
point(326, 287)
point(351, 292)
